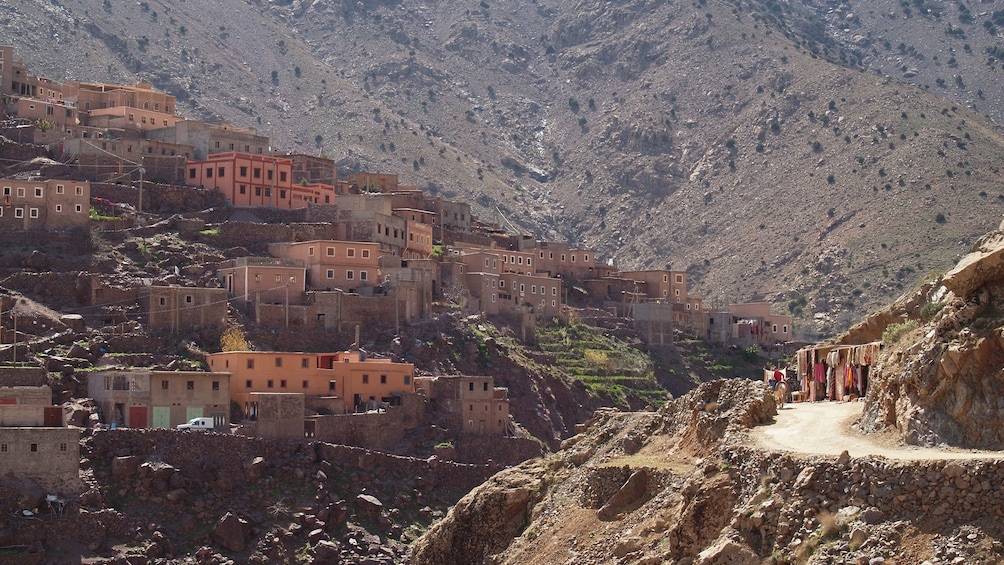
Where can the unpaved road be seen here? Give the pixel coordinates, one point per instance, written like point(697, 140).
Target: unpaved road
point(826, 428)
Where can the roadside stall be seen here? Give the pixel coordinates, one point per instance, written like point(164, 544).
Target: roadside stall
point(836, 372)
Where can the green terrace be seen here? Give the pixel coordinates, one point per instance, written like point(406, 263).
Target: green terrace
point(612, 368)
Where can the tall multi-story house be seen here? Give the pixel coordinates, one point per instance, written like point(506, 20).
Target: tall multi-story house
point(207, 139)
point(44, 204)
point(17, 81)
point(360, 382)
point(560, 260)
point(331, 264)
point(246, 179)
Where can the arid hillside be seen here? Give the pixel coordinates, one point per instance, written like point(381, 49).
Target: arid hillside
point(767, 150)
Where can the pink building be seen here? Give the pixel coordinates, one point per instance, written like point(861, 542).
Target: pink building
point(44, 204)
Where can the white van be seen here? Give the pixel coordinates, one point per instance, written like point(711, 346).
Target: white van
point(198, 424)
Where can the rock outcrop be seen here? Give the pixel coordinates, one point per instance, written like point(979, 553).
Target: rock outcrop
point(940, 378)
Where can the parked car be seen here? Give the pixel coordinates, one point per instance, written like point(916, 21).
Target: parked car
point(206, 424)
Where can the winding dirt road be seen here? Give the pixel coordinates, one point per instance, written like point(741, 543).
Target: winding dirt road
point(827, 428)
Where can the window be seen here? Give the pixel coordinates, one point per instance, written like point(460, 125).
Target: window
point(278, 278)
point(59, 208)
point(6, 191)
point(366, 379)
point(257, 191)
point(350, 252)
point(774, 328)
point(278, 361)
point(79, 191)
point(38, 192)
point(573, 258)
point(268, 192)
point(330, 273)
point(383, 379)
point(243, 189)
point(247, 383)
point(62, 446)
point(3, 448)
point(522, 287)
point(219, 172)
point(493, 298)
point(209, 172)
point(18, 212)
point(330, 251)
point(310, 251)
point(78, 208)
point(554, 291)
point(190, 385)
point(188, 299)
point(585, 258)
point(257, 173)
point(20, 192)
point(282, 383)
point(407, 379)
point(34, 448)
point(366, 253)
point(679, 279)
point(349, 275)
point(306, 383)
point(282, 176)
point(533, 289)
point(268, 174)
point(165, 384)
point(553, 304)
point(363, 275)
point(502, 283)
point(331, 385)
point(784, 329)
point(470, 386)
point(485, 384)
point(270, 383)
point(678, 292)
point(33, 213)
point(303, 362)
point(250, 363)
point(216, 385)
point(282, 194)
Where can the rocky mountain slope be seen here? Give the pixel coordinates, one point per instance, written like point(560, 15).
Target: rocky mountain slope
point(768, 148)
point(686, 485)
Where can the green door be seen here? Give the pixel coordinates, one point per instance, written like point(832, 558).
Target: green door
point(162, 416)
point(193, 412)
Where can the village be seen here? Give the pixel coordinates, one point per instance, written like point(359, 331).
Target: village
point(325, 252)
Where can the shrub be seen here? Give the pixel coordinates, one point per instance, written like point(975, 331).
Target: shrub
point(894, 332)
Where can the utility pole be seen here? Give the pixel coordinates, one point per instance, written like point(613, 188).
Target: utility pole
point(142, 171)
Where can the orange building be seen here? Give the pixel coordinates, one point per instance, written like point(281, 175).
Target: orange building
point(246, 179)
point(334, 264)
point(558, 260)
point(360, 382)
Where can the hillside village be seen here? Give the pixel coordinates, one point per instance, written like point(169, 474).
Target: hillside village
point(306, 250)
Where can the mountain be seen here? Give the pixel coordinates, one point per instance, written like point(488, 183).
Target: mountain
point(775, 151)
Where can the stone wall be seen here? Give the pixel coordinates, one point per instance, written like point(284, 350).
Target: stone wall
point(52, 288)
point(376, 430)
point(164, 198)
point(927, 493)
point(257, 236)
point(474, 448)
point(23, 376)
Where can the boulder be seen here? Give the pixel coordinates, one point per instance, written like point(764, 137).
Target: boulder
point(984, 263)
point(633, 489)
point(123, 467)
point(327, 553)
point(368, 504)
point(231, 532)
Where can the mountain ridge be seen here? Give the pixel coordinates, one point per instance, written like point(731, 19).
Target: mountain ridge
point(750, 143)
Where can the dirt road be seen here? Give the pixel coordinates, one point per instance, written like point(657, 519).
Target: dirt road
point(826, 428)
